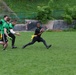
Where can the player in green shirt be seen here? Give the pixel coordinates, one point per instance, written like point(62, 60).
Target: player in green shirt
point(5, 32)
point(12, 33)
point(2, 21)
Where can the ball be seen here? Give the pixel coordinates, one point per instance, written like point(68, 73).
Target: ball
point(42, 30)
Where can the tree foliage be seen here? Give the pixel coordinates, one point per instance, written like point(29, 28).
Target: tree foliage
point(44, 12)
point(70, 13)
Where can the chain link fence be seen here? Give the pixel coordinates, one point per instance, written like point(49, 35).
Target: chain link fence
point(21, 16)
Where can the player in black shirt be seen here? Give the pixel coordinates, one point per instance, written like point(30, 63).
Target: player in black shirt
point(37, 37)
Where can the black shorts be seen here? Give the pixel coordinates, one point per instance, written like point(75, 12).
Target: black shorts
point(38, 39)
point(4, 38)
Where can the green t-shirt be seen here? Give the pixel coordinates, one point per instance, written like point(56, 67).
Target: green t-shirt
point(6, 25)
point(2, 21)
point(11, 26)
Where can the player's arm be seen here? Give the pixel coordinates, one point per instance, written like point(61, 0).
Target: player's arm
point(41, 31)
point(5, 31)
point(13, 32)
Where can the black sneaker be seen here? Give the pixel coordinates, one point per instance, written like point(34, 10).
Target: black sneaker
point(49, 46)
point(4, 48)
point(23, 47)
point(14, 47)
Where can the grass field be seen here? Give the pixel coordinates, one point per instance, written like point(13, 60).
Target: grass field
point(60, 59)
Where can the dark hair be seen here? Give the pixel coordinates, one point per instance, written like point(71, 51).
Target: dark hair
point(14, 20)
point(5, 16)
point(38, 22)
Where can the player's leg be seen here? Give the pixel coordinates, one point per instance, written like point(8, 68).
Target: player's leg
point(13, 39)
point(1, 42)
point(44, 42)
point(5, 41)
point(30, 43)
point(5, 45)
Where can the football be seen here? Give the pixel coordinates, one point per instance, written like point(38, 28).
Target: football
point(42, 30)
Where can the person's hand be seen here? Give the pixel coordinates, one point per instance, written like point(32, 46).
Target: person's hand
point(42, 30)
point(9, 37)
point(18, 34)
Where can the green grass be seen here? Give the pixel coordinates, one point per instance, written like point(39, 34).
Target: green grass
point(60, 59)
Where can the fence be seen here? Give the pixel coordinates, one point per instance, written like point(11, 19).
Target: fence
point(21, 16)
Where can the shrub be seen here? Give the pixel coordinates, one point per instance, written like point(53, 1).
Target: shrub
point(75, 26)
point(44, 13)
point(68, 19)
point(73, 12)
point(70, 13)
point(68, 10)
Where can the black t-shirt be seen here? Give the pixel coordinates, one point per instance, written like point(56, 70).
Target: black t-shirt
point(37, 31)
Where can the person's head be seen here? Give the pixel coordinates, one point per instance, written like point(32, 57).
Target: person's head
point(38, 24)
point(5, 17)
point(14, 22)
point(8, 19)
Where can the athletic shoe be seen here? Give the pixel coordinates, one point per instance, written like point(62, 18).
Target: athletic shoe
point(4, 48)
point(23, 47)
point(14, 47)
point(49, 46)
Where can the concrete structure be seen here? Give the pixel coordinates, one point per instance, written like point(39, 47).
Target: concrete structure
point(52, 25)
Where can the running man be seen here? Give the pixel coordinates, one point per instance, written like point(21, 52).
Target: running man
point(5, 31)
point(2, 22)
point(12, 33)
point(37, 37)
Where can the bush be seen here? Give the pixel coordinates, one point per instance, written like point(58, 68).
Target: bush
point(68, 10)
point(70, 13)
point(73, 12)
point(75, 26)
point(68, 19)
point(51, 3)
point(44, 13)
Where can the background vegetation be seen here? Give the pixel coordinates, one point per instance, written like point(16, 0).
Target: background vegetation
point(30, 9)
